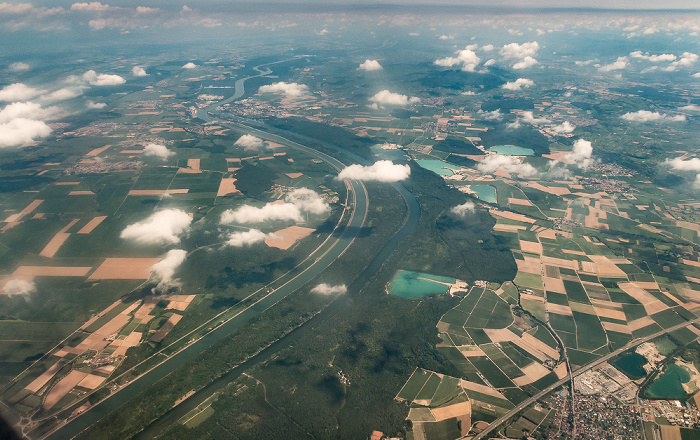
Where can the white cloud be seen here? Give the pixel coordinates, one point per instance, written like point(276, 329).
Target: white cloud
point(18, 92)
point(490, 62)
point(385, 97)
point(95, 105)
point(691, 108)
point(494, 115)
point(653, 58)
point(190, 65)
point(565, 127)
point(271, 212)
point(327, 289)
point(146, 10)
point(686, 60)
point(164, 270)
point(138, 71)
point(515, 50)
point(63, 94)
point(525, 63)
point(370, 65)
point(381, 171)
point(18, 287)
point(161, 227)
point(488, 48)
point(249, 142)
point(513, 125)
point(619, 64)
point(584, 63)
point(467, 58)
point(684, 165)
point(530, 118)
point(648, 116)
point(518, 84)
point(102, 79)
point(509, 164)
point(157, 150)
point(27, 110)
point(323, 31)
point(446, 37)
point(308, 201)
point(18, 67)
point(463, 209)
point(20, 8)
point(288, 89)
point(581, 154)
point(247, 238)
point(696, 75)
point(22, 131)
point(468, 93)
point(90, 7)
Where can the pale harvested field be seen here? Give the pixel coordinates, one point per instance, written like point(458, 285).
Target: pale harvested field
point(500, 227)
point(650, 303)
point(165, 328)
point(554, 285)
point(29, 208)
point(56, 242)
point(472, 353)
point(529, 343)
point(51, 271)
point(227, 187)
point(91, 381)
point(232, 170)
point(66, 183)
point(560, 371)
point(556, 190)
point(535, 371)
point(559, 309)
point(44, 378)
point(481, 389)
point(560, 262)
point(511, 216)
point(81, 193)
point(688, 225)
point(294, 175)
point(669, 432)
point(601, 265)
point(527, 296)
point(690, 294)
point(456, 410)
point(531, 246)
point(646, 285)
point(97, 151)
point(288, 236)
point(539, 345)
point(193, 164)
point(131, 152)
point(179, 302)
point(157, 192)
point(92, 224)
point(124, 269)
point(522, 380)
point(529, 265)
point(612, 314)
point(691, 263)
point(640, 323)
point(672, 298)
point(582, 308)
point(62, 388)
point(113, 326)
point(97, 316)
point(514, 201)
point(569, 251)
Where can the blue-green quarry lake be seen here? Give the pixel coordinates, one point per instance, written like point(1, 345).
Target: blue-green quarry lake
point(512, 150)
point(670, 384)
point(487, 193)
point(408, 284)
point(438, 166)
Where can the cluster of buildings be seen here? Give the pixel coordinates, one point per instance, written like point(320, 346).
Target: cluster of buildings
point(610, 186)
point(253, 108)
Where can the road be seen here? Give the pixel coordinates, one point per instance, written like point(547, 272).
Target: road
point(498, 422)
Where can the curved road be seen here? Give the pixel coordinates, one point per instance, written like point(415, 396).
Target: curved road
point(498, 422)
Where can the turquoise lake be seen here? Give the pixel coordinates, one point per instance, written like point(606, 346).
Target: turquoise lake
point(670, 384)
point(438, 166)
point(512, 150)
point(487, 193)
point(408, 284)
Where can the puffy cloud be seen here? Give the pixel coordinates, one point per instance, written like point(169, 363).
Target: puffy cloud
point(684, 165)
point(493, 115)
point(63, 93)
point(463, 209)
point(647, 116)
point(370, 65)
point(565, 127)
point(509, 164)
point(164, 270)
point(102, 79)
point(22, 131)
point(308, 201)
point(530, 118)
point(18, 92)
point(518, 84)
point(288, 89)
point(490, 62)
point(161, 227)
point(18, 67)
point(467, 58)
point(249, 142)
point(247, 238)
point(619, 64)
point(18, 287)
point(525, 63)
point(90, 7)
point(515, 50)
point(327, 289)
point(581, 154)
point(27, 110)
point(157, 150)
point(385, 97)
point(19, 8)
point(686, 60)
point(138, 71)
point(468, 93)
point(146, 10)
point(488, 48)
point(190, 65)
point(691, 108)
point(653, 58)
point(95, 105)
point(271, 212)
point(381, 171)
point(696, 75)
point(446, 37)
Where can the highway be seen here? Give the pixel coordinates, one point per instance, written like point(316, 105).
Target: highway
point(498, 422)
